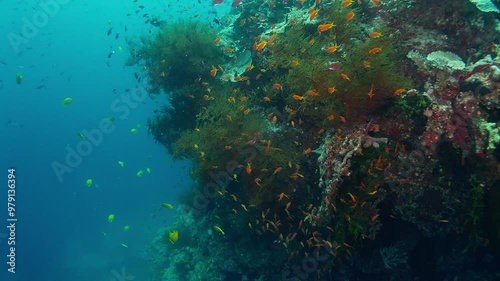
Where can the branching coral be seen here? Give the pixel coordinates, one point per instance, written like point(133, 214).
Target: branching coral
point(393, 256)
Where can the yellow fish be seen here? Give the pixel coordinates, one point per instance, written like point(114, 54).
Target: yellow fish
point(168, 206)
point(126, 228)
point(19, 78)
point(111, 217)
point(149, 170)
point(219, 229)
point(173, 236)
point(88, 182)
point(67, 101)
point(140, 173)
point(133, 131)
point(121, 163)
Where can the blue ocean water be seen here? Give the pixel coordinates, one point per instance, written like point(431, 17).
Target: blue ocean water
point(62, 232)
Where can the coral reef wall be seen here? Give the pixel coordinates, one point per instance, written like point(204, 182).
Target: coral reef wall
point(331, 140)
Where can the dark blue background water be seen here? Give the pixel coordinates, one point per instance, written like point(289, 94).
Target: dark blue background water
point(61, 224)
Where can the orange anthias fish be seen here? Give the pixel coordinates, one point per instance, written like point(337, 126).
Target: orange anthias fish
point(332, 49)
point(374, 51)
point(217, 40)
point(399, 91)
point(344, 76)
point(271, 40)
point(278, 86)
point(260, 46)
point(349, 16)
point(313, 93)
point(297, 97)
point(376, 2)
point(370, 94)
point(325, 27)
point(313, 13)
point(277, 170)
point(213, 71)
point(375, 34)
point(346, 3)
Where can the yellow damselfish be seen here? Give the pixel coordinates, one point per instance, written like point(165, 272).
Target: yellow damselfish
point(88, 182)
point(173, 236)
point(111, 217)
point(67, 101)
point(121, 163)
point(167, 205)
point(219, 229)
point(140, 173)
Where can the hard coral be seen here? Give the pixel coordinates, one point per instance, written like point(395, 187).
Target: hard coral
point(335, 162)
point(458, 110)
point(451, 121)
